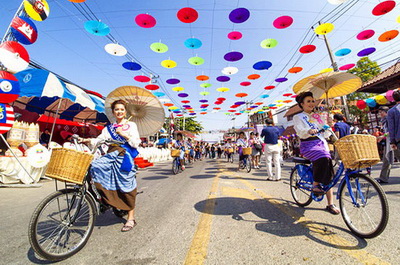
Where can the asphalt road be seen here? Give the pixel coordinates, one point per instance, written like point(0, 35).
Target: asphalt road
point(210, 214)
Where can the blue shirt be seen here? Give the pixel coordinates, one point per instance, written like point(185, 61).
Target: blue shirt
point(270, 135)
point(393, 122)
point(343, 129)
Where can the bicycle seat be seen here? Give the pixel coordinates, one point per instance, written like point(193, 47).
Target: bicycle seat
point(300, 160)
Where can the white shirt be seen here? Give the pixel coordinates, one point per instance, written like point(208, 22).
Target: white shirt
point(242, 142)
point(130, 128)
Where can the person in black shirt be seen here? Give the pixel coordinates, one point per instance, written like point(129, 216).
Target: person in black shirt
point(45, 137)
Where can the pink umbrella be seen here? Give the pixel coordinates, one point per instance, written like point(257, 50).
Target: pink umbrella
point(142, 78)
point(283, 22)
point(145, 21)
point(346, 67)
point(245, 83)
point(365, 34)
point(235, 35)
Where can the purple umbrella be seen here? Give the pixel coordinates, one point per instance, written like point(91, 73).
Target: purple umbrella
point(366, 52)
point(239, 15)
point(186, 106)
point(240, 103)
point(233, 56)
point(281, 79)
point(183, 95)
point(173, 81)
point(192, 114)
point(203, 100)
point(223, 78)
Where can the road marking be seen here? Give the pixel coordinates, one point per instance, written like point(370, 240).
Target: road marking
point(198, 249)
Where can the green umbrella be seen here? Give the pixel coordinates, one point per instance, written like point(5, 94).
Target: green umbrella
point(205, 85)
point(269, 43)
point(196, 60)
point(204, 93)
point(159, 47)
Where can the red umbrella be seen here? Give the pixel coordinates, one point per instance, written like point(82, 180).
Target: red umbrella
point(238, 113)
point(383, 8)
point(234, 106)
point(145, 21)
point(269, 87)
point(232, 110)
point(307, 48)
point(221, 99)
point(258, 103)
point(202, 113)
point(187, 15)
point(152, 87)
point(287, 94)
point(217, 108)
point(253, 76)
point(365, 34)
point(295, 70)
point(245, 83)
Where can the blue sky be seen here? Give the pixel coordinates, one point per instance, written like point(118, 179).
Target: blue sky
point(65, 48)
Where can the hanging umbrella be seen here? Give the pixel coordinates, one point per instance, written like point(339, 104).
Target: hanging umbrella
point(366, 52)
point(158, 94)
point(205, 85)
point(145, 21)
point(223, 78)
point(235, 35)
point(287, 94)
point(187, 15)
point(24, 30)
point(115, 49)
point(202, 77)
point(173, 81)
point(204, 93)
point(196, 60)
point(264, 96)
point(330, 85)
point(281, 79)
point(183, 95)
point(269, 87)
point(193, 43)
point(9, 87)
point(343, 52)
point(253, 76)
point(178, 89)
point(97, 28)
point(241, 95)
point(388, 35)
point(233, 56)
point(168, 64)
point(365, 34)
point(262, 65)
point(295, 70)
point(230, 70)
point(159, 47)
point(346, 67)
point(13, 56)
point(269, 43)
point(37, 10)
point(324, 28)
point(142, 78)
point(152, 87)
point(221, 99)
point(239, 15)
point(245, 83)
point(185, 101)
point(143, 108)
point(307, 48)
point(132, 66)
point(222, 89)
point(326, 70)
point(383, 8)
point(282, 22)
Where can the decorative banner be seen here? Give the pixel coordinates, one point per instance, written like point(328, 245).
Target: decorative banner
point(6, 118)
point(9, 87)
point(37, 9)
point(24, 30)
point(13, 56)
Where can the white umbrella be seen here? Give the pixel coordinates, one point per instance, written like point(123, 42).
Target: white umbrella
point(115, 49)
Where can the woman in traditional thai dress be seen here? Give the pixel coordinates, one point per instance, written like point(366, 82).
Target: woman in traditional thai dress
point(313, 145)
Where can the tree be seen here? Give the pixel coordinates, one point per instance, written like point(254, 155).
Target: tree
point(366, 70)
point(191, 125)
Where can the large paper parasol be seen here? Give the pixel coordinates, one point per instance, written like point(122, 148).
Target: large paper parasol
point(330, 85)
point(144, 108)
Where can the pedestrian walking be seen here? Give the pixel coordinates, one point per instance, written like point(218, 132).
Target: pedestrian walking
point(270, 135)
point(256, 148)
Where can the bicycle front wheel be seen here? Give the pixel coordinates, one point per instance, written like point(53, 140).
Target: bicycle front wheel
point(175, 166)
point(62, 224)
point(300, 194)
point(231, 158)
point(248, 164)
point(364, 206)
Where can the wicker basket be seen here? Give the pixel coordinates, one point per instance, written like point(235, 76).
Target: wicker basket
point(187, 152)
point(68, 165)
point(358, 151)
point(230, 150)
point(175, 152)
point(247, 151)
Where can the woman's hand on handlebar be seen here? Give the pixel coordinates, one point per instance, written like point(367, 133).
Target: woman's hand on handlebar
point(313, 131)
point(83, 140)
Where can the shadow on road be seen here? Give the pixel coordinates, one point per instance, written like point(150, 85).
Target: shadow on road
point(202, 176)
point(155, 178)
point(32, 258)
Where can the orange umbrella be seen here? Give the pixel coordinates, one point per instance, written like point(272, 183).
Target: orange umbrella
point(388, 35)
point(202, 113)
point(253, 76)
point(202, 77)
point(241, 95)
point(168, 104)
point(258, 103)
point(288, 101)
point(295, 70)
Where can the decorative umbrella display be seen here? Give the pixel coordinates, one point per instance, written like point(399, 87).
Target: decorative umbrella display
point(183, 95)
point(262, 65)
point(142, 78)
point(324, 28)
point(307, 48)
point(168, 63)
point(187, 15)
point(143, 108)
point(158, 94)
point(388, 35)
point(9, 87)
point(295, 70)
point(264, 96)
point(97, 28)
point(205, 85)
point(253, 76)
point(269, 43)
point(283, 22)
point(241, 95)
point(365, 34)
point(145, 21)
point(230, 70)
point(115, 49)
point(37, 9)
point(13, 56)
point(346, 67)
point(233, 56)
point(342, 52)
point(196, 60)
point(269, 87)
point(222, 89)
point(178, 89)
point(245, 83)
point(173, 81)
point(24, 30)
point(287, 94)
point(366, 52)
point(383, 8)
point(239, 15)
point(326, 70)
point(152, 87)
point(223, 78)
point(159, 47)
point(132, 66)
point(193, 43)
point(204, 93)
point(202, 77)
point(281, 79)
point(235, 35)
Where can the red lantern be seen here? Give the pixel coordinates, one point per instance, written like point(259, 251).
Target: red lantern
point(361, 104)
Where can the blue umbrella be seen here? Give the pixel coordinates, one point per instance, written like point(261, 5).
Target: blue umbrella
point(343, 52)
point(132, 66)
point(158, 94)
point(193, 43)
point(97, 28)
point(264, 96)
point(262, 65)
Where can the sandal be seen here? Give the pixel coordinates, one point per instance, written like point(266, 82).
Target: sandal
point(129, 225)
point(333, 209)
point(317, 190)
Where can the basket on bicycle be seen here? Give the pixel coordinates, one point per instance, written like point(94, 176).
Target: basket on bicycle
point(175, 152)
point(358, 151)
point(68, 165)
point(187, 152)
point(230, 150)
point(247, 151)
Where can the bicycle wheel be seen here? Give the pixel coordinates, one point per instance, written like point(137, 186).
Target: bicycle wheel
point(368, 215)
point(248, 164)
point(175, 166)
point(62, 224)
point(231, 158)
point(300, 195)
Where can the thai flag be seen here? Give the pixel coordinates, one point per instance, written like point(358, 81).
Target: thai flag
point(6, 118)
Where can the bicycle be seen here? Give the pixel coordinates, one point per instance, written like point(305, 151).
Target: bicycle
point(177, 165)
point(230, 157)
point(62, 223)
point(362, 201)
point(245, 163)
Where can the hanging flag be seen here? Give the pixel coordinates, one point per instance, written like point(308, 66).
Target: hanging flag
point(9, 87)
point(24, 30)
point(6, 118)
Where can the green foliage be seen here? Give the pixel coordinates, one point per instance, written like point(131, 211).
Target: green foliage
point(191, 125)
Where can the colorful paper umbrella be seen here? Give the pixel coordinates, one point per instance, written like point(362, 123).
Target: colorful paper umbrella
point(271, 105)
point(241, 95)
point(287, 101)
point(253, 76)
point(173, 81)
point(164, 100)
point(115, 49)
point(307, 48)
point(240, 103)
point(196, 60)
point(239, 15)
point(203, 113)
point(178, 89)
point(294, 96)
point(346, 67)
point(222, 89)
point(223, 78)
point(97, 28)
point(262, 65)
point(132, 66)
point(389, 95)
point(187, 15)
point(383, 8)
point(159, 47)
point(152, 87)
point(365, 34)
point(295, 70)
point(258, 103)
point(245, 83)
point(186, 106)
point(185, 101)
point(326, 70)
point(216, 108)
point(37, 9)
point(388, 35)
point(264, 96)
point(235, 35)
point(204, 93)
point(218, 102)
point(9, 87)
point(282, 22)
point(287, 94)
point(221, 99)
point(269, 43)
point(361, 104)
point(370, 102)
point(230, 70)
point(281, 79)
point(193, 43)
point(24, 30)
point(145, 21)
point(168, 104)
point(233, 56)
point(6, 118)
point(183, 95)
point(398, 19)
point(168, 64)
point(142, 78)
point(366, 52)
point(173, 108)
point(232, 110)
point(204, 106)
point(203, 100)
point(158, 94)
point(269, 87)
point(342, 52)
point(13, 56)
point(202, 77)
point(324, 28)
point(381, 100)
point(205, 85)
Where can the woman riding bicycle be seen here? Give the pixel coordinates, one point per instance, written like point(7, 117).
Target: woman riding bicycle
point(314, 147)
point(241, 143)
point(114, 173)
point(180, 144)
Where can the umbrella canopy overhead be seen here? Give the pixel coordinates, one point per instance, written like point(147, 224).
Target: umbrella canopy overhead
point(143, 108)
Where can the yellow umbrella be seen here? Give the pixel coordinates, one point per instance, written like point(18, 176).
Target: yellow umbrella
point(169, 64)
point(178, 89)
point(324, 28)
point(279, 101)
point(173, 108)
point(143, 108)
point(326, 70)
point(330, 85)
point(223, 89)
